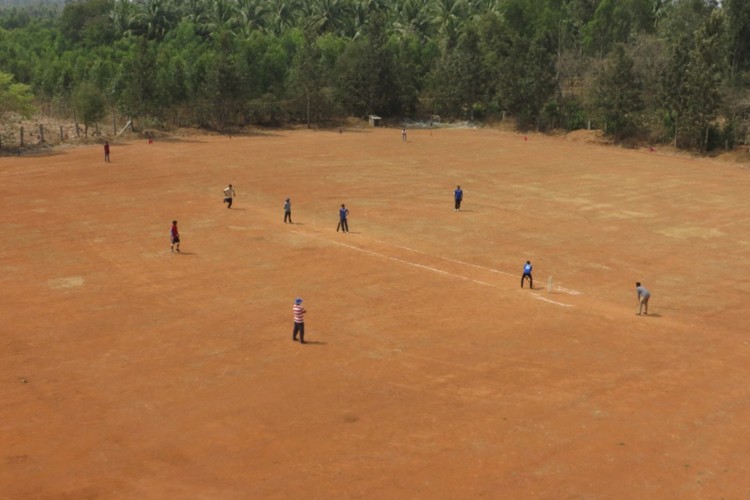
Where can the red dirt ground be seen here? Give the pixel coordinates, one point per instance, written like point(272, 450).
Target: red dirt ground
point(128, 372)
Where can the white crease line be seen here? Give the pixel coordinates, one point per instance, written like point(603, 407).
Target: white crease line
point(552, 301)
point(414, 264)
point(422, 266)
point(447, 258)
point(560, 288)
point(485, 283)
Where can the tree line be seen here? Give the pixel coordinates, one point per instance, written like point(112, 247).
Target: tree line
point(656, 70)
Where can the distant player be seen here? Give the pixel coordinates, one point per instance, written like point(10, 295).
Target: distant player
point(175, 237)
point(299, 320)
point(288, 211)
point(403, 135)
point(229, 194)
point(106, 151)
point(458, 196)
point(343, 219)
point(527, 274)
point(643, 296)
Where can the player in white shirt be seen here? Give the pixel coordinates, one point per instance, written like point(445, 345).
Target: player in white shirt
point(229, 194)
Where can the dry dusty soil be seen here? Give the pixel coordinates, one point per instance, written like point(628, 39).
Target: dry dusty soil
point(129, 372)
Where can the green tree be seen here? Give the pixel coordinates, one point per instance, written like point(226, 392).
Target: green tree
point(14, 97)
point(691, 83)
point(412, 59)
point(178, 78)
point(224, 81)
point(124, 17)
point(281, 15)
point(738, 27)
point(415, 18)
point(616, 21)
point(88, 22)
point(366, 74)
point(329, 15)
point(90, 104)
point(155, 19)
point(704, 76)
point(525, 67)
point(221, 17)
point(305, 78)
point(450, 17)
point(460, 80)
point(253, 15)
point(219, 62)
point(617, 94)
point(136, 82)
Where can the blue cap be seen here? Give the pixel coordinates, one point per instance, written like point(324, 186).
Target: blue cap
point(297, 300)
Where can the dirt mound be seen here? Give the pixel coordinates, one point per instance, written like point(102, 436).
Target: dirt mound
point(740, 154)
point(587, 136)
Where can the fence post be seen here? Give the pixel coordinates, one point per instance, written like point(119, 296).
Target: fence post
point(21, 136)
point(41, 133)
point(61, 133)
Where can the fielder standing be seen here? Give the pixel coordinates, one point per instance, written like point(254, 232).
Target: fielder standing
point(343, 219)
point(175, 237)
point(288, 211)
point(299, 320)
point(458, 196)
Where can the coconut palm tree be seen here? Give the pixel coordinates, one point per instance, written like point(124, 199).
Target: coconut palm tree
point(480, 7)
point(123, 16)
point(330, 15)
point(416, 18)
point(195, 11)
point(354, 23)
point(281, 15)
point(156, 18)
point(221, 16)
point(451, 15)
point(252, 15)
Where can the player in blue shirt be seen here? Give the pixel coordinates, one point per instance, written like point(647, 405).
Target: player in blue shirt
point(458, 195)
point(527, 274)
point(343, 224)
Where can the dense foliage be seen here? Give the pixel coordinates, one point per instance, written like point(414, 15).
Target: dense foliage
point(661, 70)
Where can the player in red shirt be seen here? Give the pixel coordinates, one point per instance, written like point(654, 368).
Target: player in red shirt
point(175, 236)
